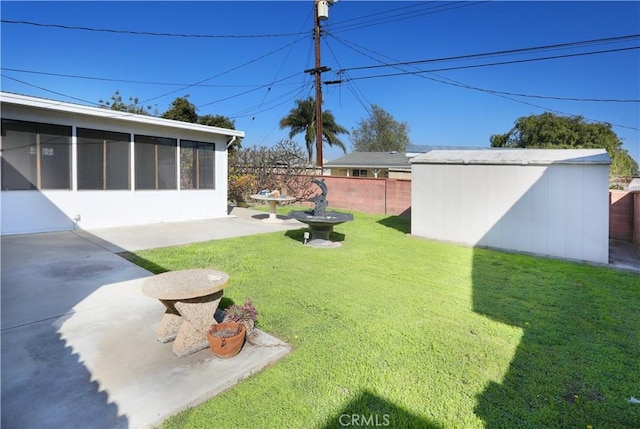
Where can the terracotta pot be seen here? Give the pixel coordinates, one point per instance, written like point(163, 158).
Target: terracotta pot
point(226, 338)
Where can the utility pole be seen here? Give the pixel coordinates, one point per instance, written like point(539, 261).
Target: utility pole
point(316, 36)
point(321, 13)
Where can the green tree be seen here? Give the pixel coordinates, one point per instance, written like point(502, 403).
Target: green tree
point(221, 122)
point(217, 121)
point(182, 110)
point(550, 131)
point(380, 133)
point(133, 106)
point(302, 120)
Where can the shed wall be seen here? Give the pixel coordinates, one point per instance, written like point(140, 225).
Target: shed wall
point(554, 210)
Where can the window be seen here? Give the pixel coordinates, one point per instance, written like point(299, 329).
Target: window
point(103, 160)
point(197, 165)
point(35, 156)
point(359, 173)
point(155, 162)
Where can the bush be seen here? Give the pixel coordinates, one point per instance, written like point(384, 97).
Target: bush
point(283, 167)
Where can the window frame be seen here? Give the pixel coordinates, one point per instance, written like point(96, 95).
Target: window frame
point(198, 149)
point(42, 172)
point(159, 145)
point(108, 138)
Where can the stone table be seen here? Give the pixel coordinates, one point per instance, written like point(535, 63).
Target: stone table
point(191, 298)
point(273, 201)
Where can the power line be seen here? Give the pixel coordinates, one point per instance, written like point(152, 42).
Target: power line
point(342, 26)
point(546, 97)
point(382, 20)
point(248, 91)
point(141, 82)
point(253, 113)
point(501, 53)
point(378, 14)
point(555, 46)
point(224, 72)
point(505, 95)
point(282, 63)
point(462, 85)
point(499, 93)
point(254, 110)
point(352, 86)
point(149, 33)
point(48, 90)
point(497, 63)
point(407, 15)
point(90, 103)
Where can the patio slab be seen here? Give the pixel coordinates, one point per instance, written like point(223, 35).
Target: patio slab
point(79, 346)
point(101, 366)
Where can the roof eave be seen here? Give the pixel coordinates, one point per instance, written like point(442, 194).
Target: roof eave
point(60, 106)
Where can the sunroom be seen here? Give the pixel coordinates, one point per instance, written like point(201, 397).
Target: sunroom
point(67, 166)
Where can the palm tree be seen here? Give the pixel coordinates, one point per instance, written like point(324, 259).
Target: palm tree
point(302, 119)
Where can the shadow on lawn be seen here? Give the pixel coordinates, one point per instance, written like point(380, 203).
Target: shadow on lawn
point(370, 410)
point(298, 235)
point(576, 363)
point(141, 262)
point(399, 223)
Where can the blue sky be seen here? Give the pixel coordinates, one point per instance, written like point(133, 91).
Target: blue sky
point(256, 80)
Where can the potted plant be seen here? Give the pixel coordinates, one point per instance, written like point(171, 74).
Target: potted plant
point(246, 314)
point(226, 338)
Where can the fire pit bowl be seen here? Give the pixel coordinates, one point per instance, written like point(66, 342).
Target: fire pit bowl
point(320, 221)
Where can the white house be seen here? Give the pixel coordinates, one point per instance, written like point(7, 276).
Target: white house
point(551, 202)
point(67, 165)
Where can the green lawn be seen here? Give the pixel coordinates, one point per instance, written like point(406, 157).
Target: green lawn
point(406, 332)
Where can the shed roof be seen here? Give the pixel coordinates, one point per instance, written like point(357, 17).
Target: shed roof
point(515, 157)
point(78, 109)
point(416, 149)
point(370, 160)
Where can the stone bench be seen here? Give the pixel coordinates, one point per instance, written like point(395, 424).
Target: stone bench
point(191, 298)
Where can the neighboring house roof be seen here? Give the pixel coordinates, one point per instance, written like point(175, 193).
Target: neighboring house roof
point(515, 157)
point(59, 106)
point(371, 160)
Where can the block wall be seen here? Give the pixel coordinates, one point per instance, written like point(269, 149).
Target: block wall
point(636, 220)
point(368, 195)
point(621, 215)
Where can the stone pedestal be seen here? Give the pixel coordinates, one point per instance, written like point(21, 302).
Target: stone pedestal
point(191, 298)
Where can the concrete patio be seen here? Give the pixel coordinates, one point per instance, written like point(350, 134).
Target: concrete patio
point(78, 335)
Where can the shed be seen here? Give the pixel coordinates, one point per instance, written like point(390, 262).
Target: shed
point(67, 165)
point(551, 202)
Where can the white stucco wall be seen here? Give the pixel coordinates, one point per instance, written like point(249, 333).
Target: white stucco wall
point(552, 203)
point(55, 210)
